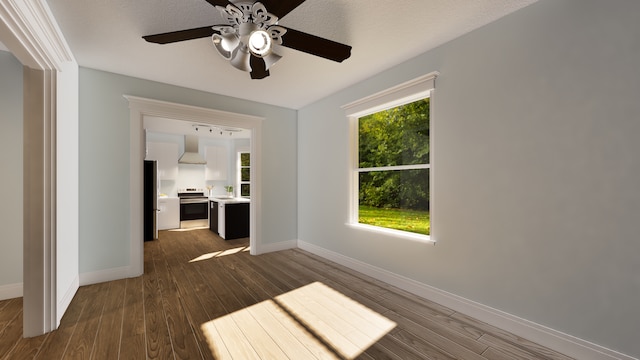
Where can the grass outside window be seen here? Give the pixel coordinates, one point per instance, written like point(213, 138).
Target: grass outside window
point(415, 221)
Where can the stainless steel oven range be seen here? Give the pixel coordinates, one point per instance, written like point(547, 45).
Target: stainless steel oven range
point(194, 205)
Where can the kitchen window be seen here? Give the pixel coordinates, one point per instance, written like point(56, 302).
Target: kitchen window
point(244, 174)
point(391, 160)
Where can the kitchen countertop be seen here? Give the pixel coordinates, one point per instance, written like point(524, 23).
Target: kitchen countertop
point(227, 200)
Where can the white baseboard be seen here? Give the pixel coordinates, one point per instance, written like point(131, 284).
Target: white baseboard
point(10, 291)
point(64, 303)
point(105, 275)
point(279, 246)
point(550, 338)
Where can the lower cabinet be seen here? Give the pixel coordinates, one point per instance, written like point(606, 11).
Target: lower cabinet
point(236, 221)
point(168, 215)
point(229, 220)
point(213, 216)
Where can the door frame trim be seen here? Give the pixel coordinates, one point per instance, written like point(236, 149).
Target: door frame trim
point(139, 108)
point(29, 30)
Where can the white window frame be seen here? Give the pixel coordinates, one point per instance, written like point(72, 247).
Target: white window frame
point(410, 91)
point(239, 167)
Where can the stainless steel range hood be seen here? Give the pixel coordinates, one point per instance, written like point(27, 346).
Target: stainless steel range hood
point(191, 155)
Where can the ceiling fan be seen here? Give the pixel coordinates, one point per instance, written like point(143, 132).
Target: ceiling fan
point(251, 31)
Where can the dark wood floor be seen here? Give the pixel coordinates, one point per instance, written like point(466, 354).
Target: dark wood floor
point(205, 298)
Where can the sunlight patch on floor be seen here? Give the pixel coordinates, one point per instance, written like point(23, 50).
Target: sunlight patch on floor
point(220, 253)
point(313, 321)
point(189, 228)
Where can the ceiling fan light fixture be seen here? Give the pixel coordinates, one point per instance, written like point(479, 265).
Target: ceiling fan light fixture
point(241, 59)
point(226, 44)
point(251, 33)
point(271, 59)
point(260, 43)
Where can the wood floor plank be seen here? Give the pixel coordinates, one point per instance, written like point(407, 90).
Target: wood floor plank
point(183, 339)
point(436, 322)
point(200, 283)
point(452, 345)
point(317, 345)
point(379, 352)
point(257, 281)
point(350, 286)
point(57, 341)
point(365, 284)
point(234, 339)
point(84, 337)
point(510, 338)
point(512, 350)
point(215, 341)
point(196, 314)
point(434, 315)
point(11, 333)
point(110, 329)
point(342, 306)
point(257, 336)
point(158, 340)
point(291, 337)
point(420, 346)
point(4, 303)
point(26, 348)
point(202, 297)
point(495, 354)
point(132, 343)
point(232, 296)
point(276, 275)
point(391, 345)
point(339, 334)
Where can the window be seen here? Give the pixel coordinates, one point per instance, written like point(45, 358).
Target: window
point(391, 150)
point(244, 174)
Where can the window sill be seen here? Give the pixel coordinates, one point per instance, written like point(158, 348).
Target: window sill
point(426, 239)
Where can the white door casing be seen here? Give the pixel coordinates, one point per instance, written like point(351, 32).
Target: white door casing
point(141, 107)
point(30, 32)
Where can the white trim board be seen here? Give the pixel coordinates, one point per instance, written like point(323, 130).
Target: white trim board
point(36, 38)
point(65, 301)
point(550, 338)
point(141, 107)
point(101, 276)
point(10, 291)
point(279, 246)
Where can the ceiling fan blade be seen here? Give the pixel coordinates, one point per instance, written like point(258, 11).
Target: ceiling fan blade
point(280, 8)
point(181, 35)
point(316, 45)
point(222, 3)
point(258, 68)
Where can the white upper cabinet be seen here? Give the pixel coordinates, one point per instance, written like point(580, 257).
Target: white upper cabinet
point(166, 154)
point(217, 163)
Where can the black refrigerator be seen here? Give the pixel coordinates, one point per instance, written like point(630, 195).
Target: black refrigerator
point(150, 201)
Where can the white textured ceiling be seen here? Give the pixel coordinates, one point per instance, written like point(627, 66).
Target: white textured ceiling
point(107, 35)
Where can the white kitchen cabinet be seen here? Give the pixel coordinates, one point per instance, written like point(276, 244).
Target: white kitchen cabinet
point(217, 163)
point(168, 214)
point(166, 154)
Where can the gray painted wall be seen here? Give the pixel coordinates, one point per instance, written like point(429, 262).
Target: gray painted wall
point(11, 165)
point(536, 122)
point(104, 163)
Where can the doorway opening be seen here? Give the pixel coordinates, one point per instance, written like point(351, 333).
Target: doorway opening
point(142, 109)
point(196, 165)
